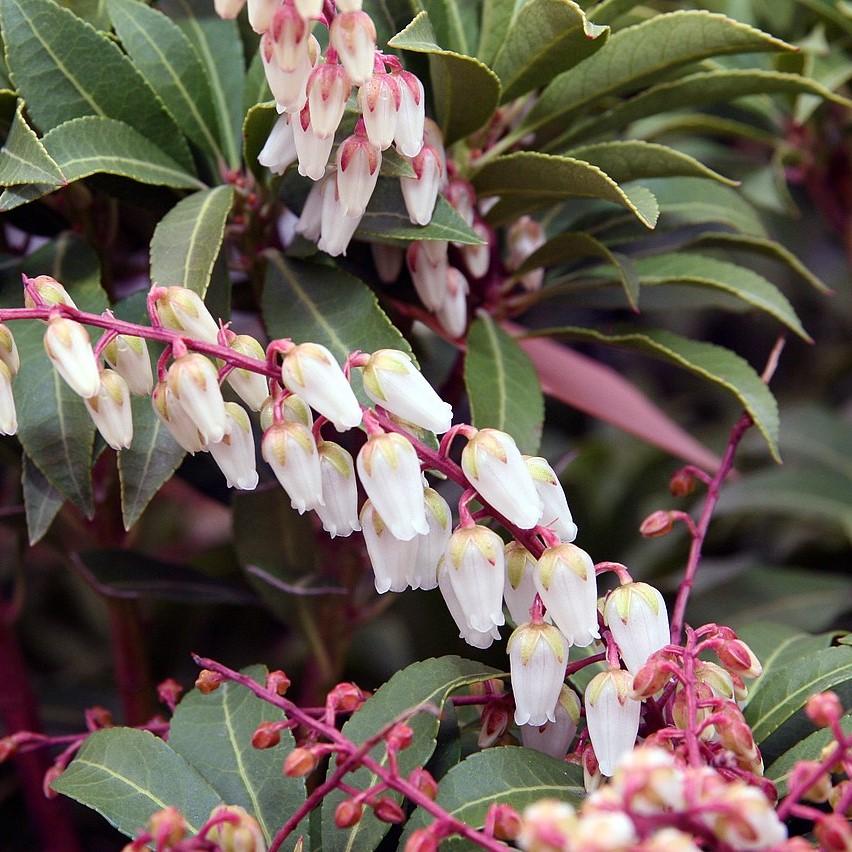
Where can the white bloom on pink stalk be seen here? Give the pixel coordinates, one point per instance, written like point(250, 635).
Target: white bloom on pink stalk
point(477, 258)
point(310, 220)
point(432, 546)
point(312, 150)
point(358, 164)
point(289, 88)
point(279, 150)
point(389, 469)
point(9, 350)
point(556, 515)
point(251, 387)
point(537, 659)
point(176, 420)
point(235, 453)
point(474, 638)
point(388, 260)
point(129, 357)
point(410, 121)
point(289, 32)
point(524, 238)
point(353, 36)
point(328, 91)
point(293, 410)
point(428, 270)
point(392, 558)
point(519, 591)
point(312, 372)
point(636, 615)
point(392, 381)
point(182, 309)
point(601, 831)
point(337, 226)
point(554, 738)
point(8, 412)
point(339, 514)
point(379, 99)
point(745, 818)
point(260, 14)
point(495, 468)
point(420, 193)
point(290, 450)
point(48, 290)
point(452, 314)
point(228, 9)
point(194, 382)
point(612, 717)
point(565, 581)
point(110, 410)
point(69, 348)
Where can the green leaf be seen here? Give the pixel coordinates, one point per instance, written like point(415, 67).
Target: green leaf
point(546, 37)
point(258, 124)
point(505, 775)
point(188, 238)
point(699, 124)
point(818, 435)
point(65, 69)
point(465, 92)
point(553, 178)
point(456, 24)
point(168, 61)
point(24, 158)
point(42, 501)
point(219, 47)
point(711, 362)
point(255, 89)
point(608, 11)
point(502, 384)
point(17, 196)
point(427, 682)
point(639, 54)
point(126, 775)
point(386, 220)
point(213, 733)
point(390, 16)
point(497, 17)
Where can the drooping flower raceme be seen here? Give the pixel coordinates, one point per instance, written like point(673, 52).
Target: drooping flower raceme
point(70, 351)
point(290, 450)
point(110, 410)
point(612, 717)
point(339, 514)
point(537, 658)
point(636, 614)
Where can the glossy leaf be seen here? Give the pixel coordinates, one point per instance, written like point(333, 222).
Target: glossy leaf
point(497, 18)
point(24, 158)
point(608, 11)
point(259, 121)
point(42, 501)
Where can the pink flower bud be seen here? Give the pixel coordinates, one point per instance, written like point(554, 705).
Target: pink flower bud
point(548, 825)
point(408, 136)
point(834, 833)
point(537, 658)
point(228, 9)
point(129, 357)
point(8, 412)
point(312, 150)
point(290, 450)
point(556, 515)
point(651, 677)
point(338, 227)
point(379, 99)
point(168, 827)
point(452, 314)
point(260, 14)
point(388, 261)
point(279, 151)
point(612, 716)
point(235, 453)
point(328, 91)
point(420, 193)
point(636, 614)
point(524, 238)
point(476, 638)
point(353, 36)
point(387, 810)
point(428, 273)
point(69, 348)
point(738, 658)
point(824, 709)
point(656, 525)
point(195, 384)
point(110, 410)
point(348, 813)
point(289, 32)
point(339, 514)
point(358, 164)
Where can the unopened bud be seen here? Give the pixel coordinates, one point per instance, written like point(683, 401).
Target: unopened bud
point(346, 698)
point(49, 777)
point(682, 483)
point(819, 790)
point(737, 657)
point(169, 691)
point(656, 525)
point(277, 682)
point(506, 821)
point(208, 681)
point(237, 832)
point(424, 781)
point(422, 840)
point(495, 722)
point(167, 827)
point(400, 737)
point(651, 678)
point(97, 718)
point(348, 813)
point(834, 833)
point(300, 762)
point(266, 735)
point(49, 291)
point(387, 810)
point(824, 709)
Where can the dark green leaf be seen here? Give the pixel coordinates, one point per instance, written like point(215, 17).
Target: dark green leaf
point(456, 24)
point(24, 159)
point(497, 17)
point(42, 501)
point(608, 11)
point(255, 89)
point(258, 124)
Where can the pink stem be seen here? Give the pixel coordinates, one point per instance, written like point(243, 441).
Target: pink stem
point(804, 784)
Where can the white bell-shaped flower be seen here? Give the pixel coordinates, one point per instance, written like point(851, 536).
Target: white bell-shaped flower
point(408, 135)
point(176, 420)
point(462, 197)
point(182, 309)
point(339, 514)
point(8, 412)
point(353, 36)
point(289, 32)
point(312, 150)
point(290, 450)
point(235, 453)
point(338, 227)
point(433, 136)
point(390, 473)
point(495, 468)
point(358, 164)
point(637, 617)
point(519, 591)
point(477, 258)
point(525, 237)
point(612, 717)
point(745, 818)
point(309, 9)
point(379, 100)
point(49, 291)
point(349, 5)
point(556, 515)
point(453, 311)
point(433, 545)
point(312, 372)
point(289, 88)
point(474, 638)
point(69, 348)
point(475, 565)
point(279, 150)
point(293, 410)
point(195, 383)
point(601, 831)
point(310, 220)
point(110, 410)
point(554, 738)
point(388, 260)
point(129, 357)
point(420, 193)
point(251, 387)
point(392, 381)
point(9, 350)
point(566, 582)
point(537, 659)
point(428, 272)
point(228, 9)
point(260, 14)
point(328, 91)
point(392, 559)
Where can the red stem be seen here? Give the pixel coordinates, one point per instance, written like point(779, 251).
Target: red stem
point(131, 663)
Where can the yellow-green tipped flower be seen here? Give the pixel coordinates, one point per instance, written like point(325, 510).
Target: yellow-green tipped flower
point(250, 387)
point(481, 639)
point(9, 350)
point(69, 348)
point(636, 614)
point(556, 515)
point(433, 545)
point(110, 410)
point(554, 738)
point(50, 291)
point(612, 717)
point(476, 570)
point(176, 420)
point(293, 410)
point(519, 591)
point(537, 659)
point(240, 835)
point(182, 309)
point(8, 413)
point(393, 559)
point(235, 453)
point(128, 356)
point(195, 384)
point(290, 450)
point(339, 514)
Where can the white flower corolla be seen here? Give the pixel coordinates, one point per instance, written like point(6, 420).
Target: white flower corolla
point(477, 258)
point(379, 100)
point(328, 91)
point(744, 818)
point(251, 387)
point(289, 88)
point(228, 9)
point(289, 32)
point(182, 309)
point(392, 381)
point(194, 382)
point(9, 351)
point(388, 260)
point(338, 227)
point(605, 831)
point(49, 291)
point(339, 514)
point(408, 136)
point(462, 197)
point(129, 357)
point(353, 36)
point(670, 840)
point(312, 150)
point(8, 412)
point(524, 238)
point(555, 515)
point(636, 615)
point(176, 420)
point(548, 826)
point(309, 8)
point(475, 565)
point(554, 738)
point(537, 659)
point(420, 193)
point(453, 311)
point(310, 220)
point(495, 468)
point(474, 638)
point(293, 410)
point(110, 410)
point(290, 450)
point(235, 453)
point(312, 372)
point(392, 558)
point(428, 272)
point(612, 717)
point(358, 164)
point(348, 5)
point(279, 150)
point(433, 545)
point(69, 348)
point(519, 591)
point(390, 473)
point(260, 14)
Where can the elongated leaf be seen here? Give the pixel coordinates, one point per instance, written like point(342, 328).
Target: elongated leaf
point(502, 385)
point(213, 733)
point(255, 89)
point(508, 775)
point(126, 775)
point(24, 158)
point(85, 146)
point(42, 501)
point(711, 362)
point(608, 11)
point(552, 178)
point(819, 437)
point(699, 124)
point(545, 38)
point(187, 240)
point(639, 54)
point(497, 17)
point(390, 16)
point(168, 61)
point(456, 25)
point(17, 196)
point(465, 91)
point(427, 682)
point(64, 69)
point(259, 121)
